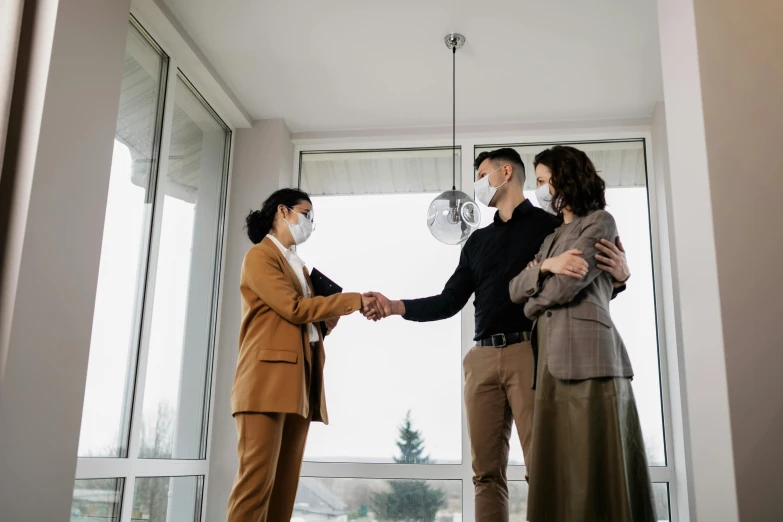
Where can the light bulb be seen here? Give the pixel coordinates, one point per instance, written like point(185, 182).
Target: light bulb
point(452, 217)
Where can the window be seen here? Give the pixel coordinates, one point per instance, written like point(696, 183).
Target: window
point(321, 499)
point(97, 500)
point(108, 397)
point(156, 497)
point(367, 204)
point(396, 385)
point(149, 376)
point(623, 168)
point(173, 423)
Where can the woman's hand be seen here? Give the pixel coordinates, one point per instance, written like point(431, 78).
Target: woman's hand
point(383, 307)
point(570, 264)
point(534, 263)
point(369, 304)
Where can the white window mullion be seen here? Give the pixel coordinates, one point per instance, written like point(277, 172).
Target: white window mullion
point(664, 338)
point(129, 486)
point(516, 472)
point(386, 471)
point(218, 315)
point(661, 474)
point(468, 331)
point(149, 293)
point(169, 468)
point(94, 468)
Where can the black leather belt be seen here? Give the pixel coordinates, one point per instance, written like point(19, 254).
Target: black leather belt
point(503, 340)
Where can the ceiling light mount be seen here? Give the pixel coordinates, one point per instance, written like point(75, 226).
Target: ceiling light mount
point(454, 41)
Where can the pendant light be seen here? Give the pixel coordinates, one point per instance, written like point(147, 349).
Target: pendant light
point(453, 216)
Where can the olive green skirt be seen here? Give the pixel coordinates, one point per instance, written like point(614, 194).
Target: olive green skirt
point(588, 461)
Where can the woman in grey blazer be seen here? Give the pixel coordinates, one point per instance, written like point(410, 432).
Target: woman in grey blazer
point(588, 461)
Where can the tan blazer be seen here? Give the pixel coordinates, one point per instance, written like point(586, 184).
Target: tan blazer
point(273, 371)
point(582, 341)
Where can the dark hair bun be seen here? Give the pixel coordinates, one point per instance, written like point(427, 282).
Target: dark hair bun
point(260, 222)
point(257, 229)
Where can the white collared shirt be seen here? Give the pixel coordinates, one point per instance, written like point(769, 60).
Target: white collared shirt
point(298, 266)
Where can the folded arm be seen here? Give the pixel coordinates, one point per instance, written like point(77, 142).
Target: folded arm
point(527, 283)
point(558, 290)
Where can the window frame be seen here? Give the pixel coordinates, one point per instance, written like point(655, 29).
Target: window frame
point(128, 466)
point(468, 143)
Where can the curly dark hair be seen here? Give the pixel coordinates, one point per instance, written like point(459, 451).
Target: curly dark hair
point(577, 185)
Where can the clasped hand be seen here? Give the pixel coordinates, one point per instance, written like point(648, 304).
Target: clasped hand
point(376, 306)
point(611, 258)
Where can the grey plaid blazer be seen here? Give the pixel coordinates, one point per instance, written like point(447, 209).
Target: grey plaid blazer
point(582, 341)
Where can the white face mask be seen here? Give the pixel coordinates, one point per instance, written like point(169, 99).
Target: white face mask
point(544, 198)
point(484, 191)
point(302, 229)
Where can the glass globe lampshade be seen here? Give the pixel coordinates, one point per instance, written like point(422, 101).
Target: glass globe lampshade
point(452, 217)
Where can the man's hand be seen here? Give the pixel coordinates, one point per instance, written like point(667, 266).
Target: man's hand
point(369, 305)
point(383, 307)
point(570, 264)
point(534, 263)
point(331, 324)
point(613, 261)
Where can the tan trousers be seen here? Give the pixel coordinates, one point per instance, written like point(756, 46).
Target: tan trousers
point(497, 392)
point(270, 448)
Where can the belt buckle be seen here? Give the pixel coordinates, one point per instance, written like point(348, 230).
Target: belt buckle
point(496, 345)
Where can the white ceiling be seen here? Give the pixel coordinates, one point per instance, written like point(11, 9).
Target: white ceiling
point(360, 64)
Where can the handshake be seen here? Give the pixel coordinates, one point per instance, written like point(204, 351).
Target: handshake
point(376, 306)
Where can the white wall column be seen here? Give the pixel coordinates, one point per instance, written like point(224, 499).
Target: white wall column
point(740, 49)
point(667, 279)
point(722, 82)
point(704, 389)
point(263, 162)
point(60, 140)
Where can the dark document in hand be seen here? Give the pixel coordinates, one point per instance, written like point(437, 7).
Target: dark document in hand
point(324, 287)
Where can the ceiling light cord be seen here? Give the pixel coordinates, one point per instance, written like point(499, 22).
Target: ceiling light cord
point(454, 117)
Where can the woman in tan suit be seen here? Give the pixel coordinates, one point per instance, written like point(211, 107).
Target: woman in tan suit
point(278, 388)
point(588, 460)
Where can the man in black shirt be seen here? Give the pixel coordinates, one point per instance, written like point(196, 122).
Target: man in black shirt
point(499, 369)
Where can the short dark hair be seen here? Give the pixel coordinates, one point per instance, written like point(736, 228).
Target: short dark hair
point(260, 222)
point(576, 182)
point(499, 155)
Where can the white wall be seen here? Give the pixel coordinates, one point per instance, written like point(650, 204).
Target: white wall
point(741, 63)
point(704, 393)
point(61, 133)
point(262, 163)
point(723, 79)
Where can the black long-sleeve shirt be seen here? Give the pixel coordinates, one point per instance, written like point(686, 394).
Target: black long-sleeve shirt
point(489, 260)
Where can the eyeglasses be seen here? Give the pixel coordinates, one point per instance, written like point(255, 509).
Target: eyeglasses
point(309, 215)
